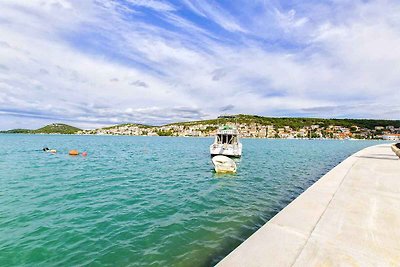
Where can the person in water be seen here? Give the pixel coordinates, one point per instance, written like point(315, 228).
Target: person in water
point(46, 149)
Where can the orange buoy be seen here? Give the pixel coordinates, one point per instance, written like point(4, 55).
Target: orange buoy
point(73, 152)
point(84, 154)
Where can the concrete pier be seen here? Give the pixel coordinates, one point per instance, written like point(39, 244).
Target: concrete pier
point(350, 217)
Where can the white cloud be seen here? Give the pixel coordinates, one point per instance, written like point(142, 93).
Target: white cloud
point(288, 21)
point(96, 64)
point(214, 12)
point(153, 4)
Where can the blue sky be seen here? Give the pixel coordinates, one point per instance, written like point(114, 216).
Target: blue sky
point(97, 62)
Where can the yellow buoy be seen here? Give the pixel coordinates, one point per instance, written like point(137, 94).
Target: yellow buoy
point(73, 152)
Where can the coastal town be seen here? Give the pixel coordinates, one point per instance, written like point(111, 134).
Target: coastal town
point(253, 130)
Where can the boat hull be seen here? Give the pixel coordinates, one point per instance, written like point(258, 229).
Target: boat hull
point(230, 156)
point(226, 150)
point(223, 164)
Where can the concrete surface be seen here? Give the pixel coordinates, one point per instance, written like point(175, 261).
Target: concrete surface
point(350, 217)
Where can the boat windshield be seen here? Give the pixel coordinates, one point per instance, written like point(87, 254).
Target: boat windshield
point(226, 139)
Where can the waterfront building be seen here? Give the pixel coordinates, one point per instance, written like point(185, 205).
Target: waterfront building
point(391, 137)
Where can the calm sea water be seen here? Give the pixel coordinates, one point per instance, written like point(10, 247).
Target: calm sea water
point(145, 201)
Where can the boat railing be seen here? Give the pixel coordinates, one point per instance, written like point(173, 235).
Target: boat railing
point(228, 132)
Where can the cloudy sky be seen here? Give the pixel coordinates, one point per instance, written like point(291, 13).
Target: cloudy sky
point(99, 62)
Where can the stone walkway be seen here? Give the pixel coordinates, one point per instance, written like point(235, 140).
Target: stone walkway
point(350, 217)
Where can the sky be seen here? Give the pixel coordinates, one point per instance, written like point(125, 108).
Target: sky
point(100, 62)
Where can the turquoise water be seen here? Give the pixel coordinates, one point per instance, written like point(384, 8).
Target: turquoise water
point(145, 201)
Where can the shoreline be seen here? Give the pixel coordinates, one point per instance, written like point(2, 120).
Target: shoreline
point(256, 138)
point(343, 218)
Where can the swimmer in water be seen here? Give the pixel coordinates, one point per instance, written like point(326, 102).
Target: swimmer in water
point(52, 151)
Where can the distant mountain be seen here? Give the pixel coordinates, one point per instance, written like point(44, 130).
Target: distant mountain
point(295, 123)
point(129, 125)
point(54, 128)
point(259, 126)
point(58, 128)
point(25, 131)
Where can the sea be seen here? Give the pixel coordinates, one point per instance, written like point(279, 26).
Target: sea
point(145, 201)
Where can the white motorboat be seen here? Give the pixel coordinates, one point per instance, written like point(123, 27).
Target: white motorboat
point(223, 164)
point(226, 143)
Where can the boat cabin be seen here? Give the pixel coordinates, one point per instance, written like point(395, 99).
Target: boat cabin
point(227, 135)
point(227, 139)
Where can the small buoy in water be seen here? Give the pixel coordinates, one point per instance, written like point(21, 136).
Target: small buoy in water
point(45, 149)
point(84, 154)
point(53, 151)
point(73, 152)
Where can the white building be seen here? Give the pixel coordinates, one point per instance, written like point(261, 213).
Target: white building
point(391, 137)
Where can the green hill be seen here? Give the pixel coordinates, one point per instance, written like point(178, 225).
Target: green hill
point(127, 124)
point(54, 128)
point(16, 131)
point(59, 128)
point(295, 123)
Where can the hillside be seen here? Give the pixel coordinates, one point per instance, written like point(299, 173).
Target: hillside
point(59, 128)
point(16, 131)
point(129, 125)
point(295, 123)
point(54, 128)
point(210, 125)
